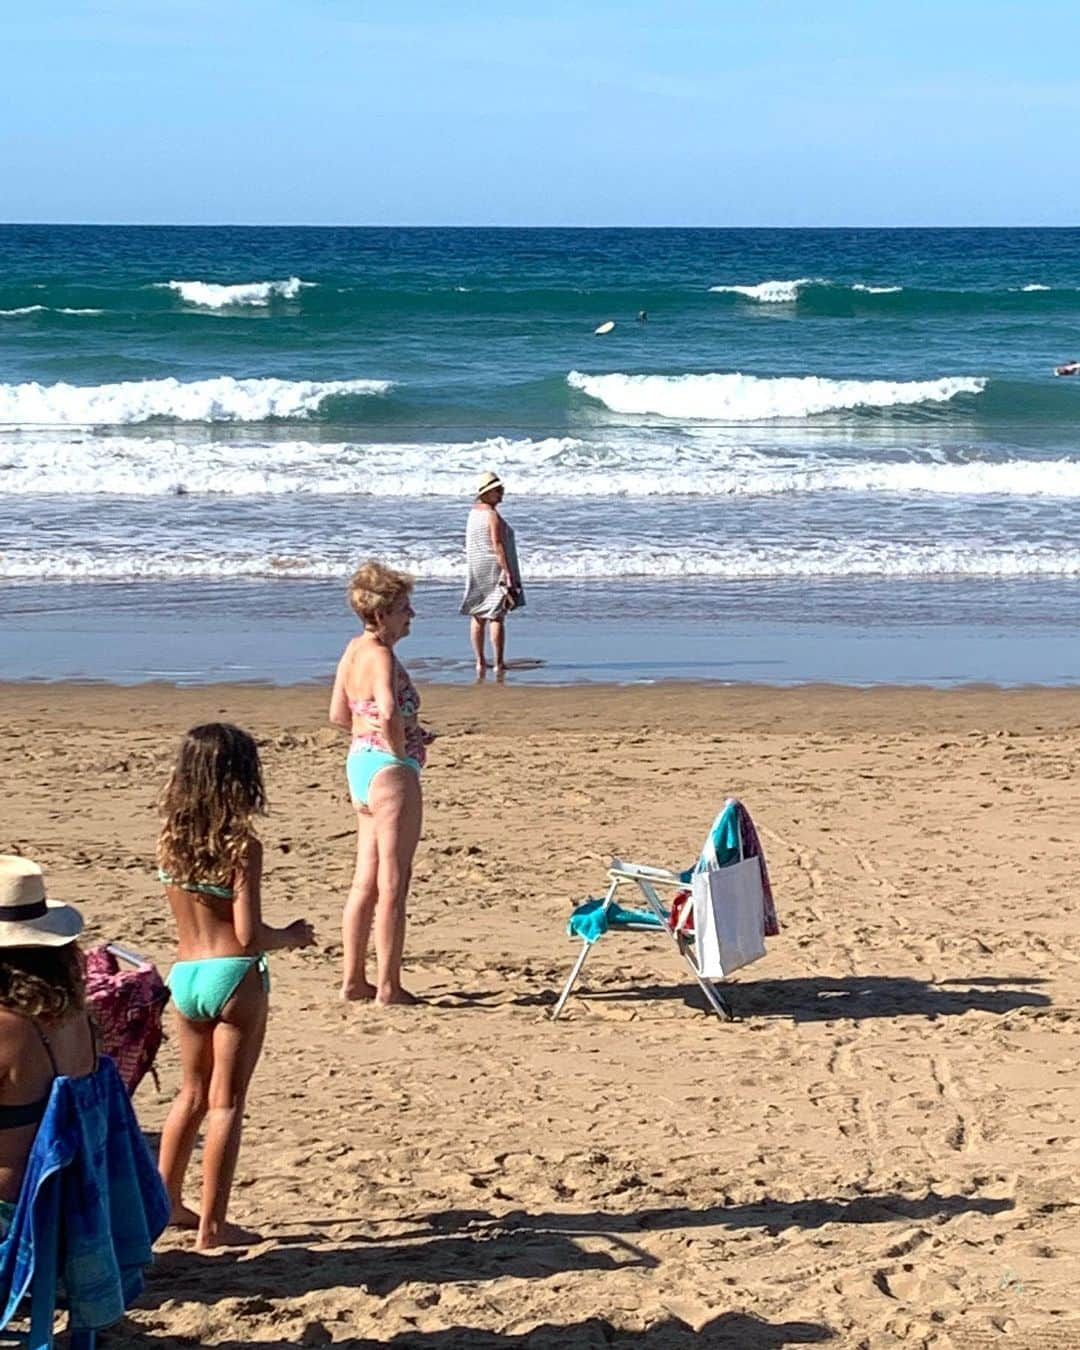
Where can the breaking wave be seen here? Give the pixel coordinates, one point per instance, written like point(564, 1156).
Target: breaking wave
point(257, 294)
point(752, 398)
point(223, 399)
point(707, 558)
point(157, 466)
point(769, 292)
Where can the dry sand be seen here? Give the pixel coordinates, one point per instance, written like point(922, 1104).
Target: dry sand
point(884, 1151)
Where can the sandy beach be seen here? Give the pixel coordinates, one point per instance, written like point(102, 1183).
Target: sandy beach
point(884, 1150)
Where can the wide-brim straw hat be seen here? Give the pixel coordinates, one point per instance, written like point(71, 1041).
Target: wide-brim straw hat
point(28, 918)
point(488, 483)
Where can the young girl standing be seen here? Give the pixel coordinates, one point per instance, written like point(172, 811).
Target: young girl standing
point(210, 862)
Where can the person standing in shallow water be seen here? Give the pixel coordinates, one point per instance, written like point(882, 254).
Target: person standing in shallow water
point(493, 585)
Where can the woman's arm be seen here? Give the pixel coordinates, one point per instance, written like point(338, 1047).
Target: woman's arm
point(391, 723)
point(340, 712)
point(251, 932)
point(495, 531)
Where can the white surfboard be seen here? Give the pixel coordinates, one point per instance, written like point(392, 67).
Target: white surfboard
point(604, 327)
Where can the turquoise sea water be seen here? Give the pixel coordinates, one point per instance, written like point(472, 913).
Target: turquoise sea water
point(843, 451)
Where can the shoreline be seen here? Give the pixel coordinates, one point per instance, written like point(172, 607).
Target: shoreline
point(422, 678)
point(783, 708)
point(284, 634)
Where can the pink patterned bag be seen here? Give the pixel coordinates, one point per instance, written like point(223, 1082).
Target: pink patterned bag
point(128, 1006)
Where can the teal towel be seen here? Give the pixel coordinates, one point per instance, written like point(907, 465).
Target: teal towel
point(725, 835)
point(591, 921)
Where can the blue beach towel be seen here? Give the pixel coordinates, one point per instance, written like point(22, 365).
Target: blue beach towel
point(111, 1199)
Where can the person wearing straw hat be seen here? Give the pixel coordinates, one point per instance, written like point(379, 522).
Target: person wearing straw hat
point(45, 1029)
point(493, 585)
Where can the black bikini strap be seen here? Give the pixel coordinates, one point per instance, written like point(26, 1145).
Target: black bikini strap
point(48, 1048)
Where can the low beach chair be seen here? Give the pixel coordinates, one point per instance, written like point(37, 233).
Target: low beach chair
point(732, 835)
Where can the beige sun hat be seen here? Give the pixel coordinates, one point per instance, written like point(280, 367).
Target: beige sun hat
point(488, 483)
point(27, 917)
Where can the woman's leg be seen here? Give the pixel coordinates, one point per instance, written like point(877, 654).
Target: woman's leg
point(360, 910)
point(397, 806)
point(477, 627)
point(237, 1042)
point(498, 643)
point(186, 1114)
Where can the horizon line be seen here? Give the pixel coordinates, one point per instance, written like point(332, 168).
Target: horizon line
point(301, 225)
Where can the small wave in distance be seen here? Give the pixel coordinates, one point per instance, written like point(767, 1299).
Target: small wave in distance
point(255, 294)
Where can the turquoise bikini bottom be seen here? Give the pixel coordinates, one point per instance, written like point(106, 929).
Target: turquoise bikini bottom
point(201, 989)
point(365, 762)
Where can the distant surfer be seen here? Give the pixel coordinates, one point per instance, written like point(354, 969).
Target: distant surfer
point(642, 316)
point(1069, 368)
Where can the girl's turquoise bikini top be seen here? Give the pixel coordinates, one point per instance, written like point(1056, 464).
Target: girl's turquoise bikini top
point(199, 887)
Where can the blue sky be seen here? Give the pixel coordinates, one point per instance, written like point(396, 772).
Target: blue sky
point(584, 113)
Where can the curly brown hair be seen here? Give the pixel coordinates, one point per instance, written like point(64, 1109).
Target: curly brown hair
point(214, 791)
point(42, 982)
point(375, 588)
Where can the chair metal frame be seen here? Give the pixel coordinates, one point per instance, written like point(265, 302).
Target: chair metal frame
point(647, 879)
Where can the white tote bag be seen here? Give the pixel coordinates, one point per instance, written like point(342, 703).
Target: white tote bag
point(729, 917)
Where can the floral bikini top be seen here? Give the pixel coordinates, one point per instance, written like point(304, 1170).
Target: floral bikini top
point(408, 703)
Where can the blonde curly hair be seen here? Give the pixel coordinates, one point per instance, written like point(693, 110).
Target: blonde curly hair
point(207, 807)
point(374, 589)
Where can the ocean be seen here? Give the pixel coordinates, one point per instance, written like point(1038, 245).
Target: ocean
point(799, 454)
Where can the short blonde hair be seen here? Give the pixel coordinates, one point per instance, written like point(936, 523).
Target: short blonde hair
point(375, 588)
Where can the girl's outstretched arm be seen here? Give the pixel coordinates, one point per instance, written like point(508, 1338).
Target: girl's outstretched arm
point(251, 932)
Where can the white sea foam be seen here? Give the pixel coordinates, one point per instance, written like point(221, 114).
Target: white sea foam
point(787, 292)
point(769, 292)
point(256, 294)
point(154, 466)
point(751, 398)
point(42, 309)
point(160, 466)
point(668, 560)
point(218, 400)
point(1034, 286)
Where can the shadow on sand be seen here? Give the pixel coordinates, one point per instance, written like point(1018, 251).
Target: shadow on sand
point(472, 1246)
point(820, 998)
point(729, 1331)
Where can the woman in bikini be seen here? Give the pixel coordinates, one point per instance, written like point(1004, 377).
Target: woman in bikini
point(376, 701)
point(210, 862)
point(113, 1204)
point(45, 1030)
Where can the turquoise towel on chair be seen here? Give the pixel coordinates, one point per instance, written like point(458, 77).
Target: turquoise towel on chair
point(591, 921)
point(725, 835)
